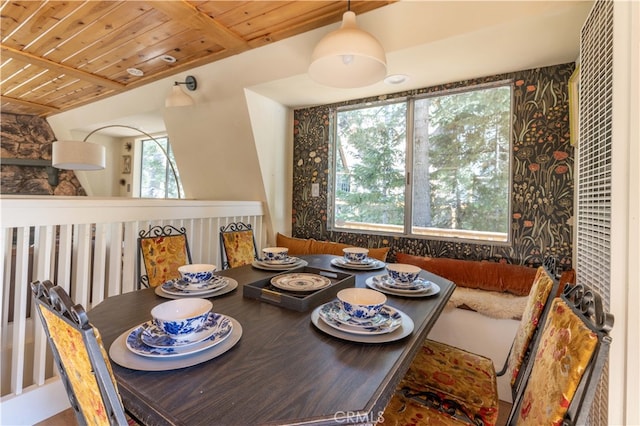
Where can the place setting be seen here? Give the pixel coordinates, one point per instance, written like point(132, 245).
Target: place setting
point(180, 333)
point(277, 259)
point(362, 315)
point(356, 258)
point(196, 280)
point(403, 280)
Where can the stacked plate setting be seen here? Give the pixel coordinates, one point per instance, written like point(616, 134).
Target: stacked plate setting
point(403, 280)
point(277, 259)
point(151, 338)
point(179, 287)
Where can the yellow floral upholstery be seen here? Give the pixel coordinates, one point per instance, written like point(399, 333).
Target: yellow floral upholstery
point(566, 347)
point(538, 297)
point(77, 365)
point(405, 411)
point(453, 373)
point(239, 248)
point(162, 257)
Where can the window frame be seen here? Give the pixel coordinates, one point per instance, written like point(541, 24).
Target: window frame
point(454, 235)
point(168, 173)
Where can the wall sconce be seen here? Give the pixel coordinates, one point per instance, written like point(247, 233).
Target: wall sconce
point(83, 155)
point(348, 57)
point(177, 97)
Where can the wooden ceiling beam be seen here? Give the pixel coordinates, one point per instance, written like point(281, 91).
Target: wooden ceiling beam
point(9, 52)
point(29, 104)
point(192, 18)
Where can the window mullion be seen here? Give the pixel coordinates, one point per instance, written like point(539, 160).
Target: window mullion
point(408, 192)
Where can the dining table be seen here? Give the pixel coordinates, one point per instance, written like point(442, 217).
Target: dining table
point(284, 368)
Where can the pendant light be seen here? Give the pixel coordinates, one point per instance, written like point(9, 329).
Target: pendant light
point(348, 57)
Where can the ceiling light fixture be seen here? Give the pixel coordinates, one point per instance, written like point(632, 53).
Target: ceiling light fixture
point(177, 97)
point(89, 156)
point(348, 57)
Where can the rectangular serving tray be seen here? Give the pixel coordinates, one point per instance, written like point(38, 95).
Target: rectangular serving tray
point(301, 302)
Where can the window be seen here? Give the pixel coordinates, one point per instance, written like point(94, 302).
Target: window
point(436, 166)
point(157, 177)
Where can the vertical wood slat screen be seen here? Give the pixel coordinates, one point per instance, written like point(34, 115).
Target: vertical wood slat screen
point(593, 245)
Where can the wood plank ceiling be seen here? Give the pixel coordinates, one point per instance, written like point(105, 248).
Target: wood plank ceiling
point(57, 55)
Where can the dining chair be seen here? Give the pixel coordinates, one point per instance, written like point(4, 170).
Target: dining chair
point(162, 250)
point(237, 245)
point(558, 385)
point(468, 381)
point(79, 355)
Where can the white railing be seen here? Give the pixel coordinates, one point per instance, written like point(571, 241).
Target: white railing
point(88, 246)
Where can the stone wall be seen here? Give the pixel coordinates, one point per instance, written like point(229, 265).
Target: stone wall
point(30, 137)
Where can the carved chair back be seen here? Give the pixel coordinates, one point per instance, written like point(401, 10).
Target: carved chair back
point(162, 250)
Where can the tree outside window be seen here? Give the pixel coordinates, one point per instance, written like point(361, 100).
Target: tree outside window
point(156, 175)
point(454, 183)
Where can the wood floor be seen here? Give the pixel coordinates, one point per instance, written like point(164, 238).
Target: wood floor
point(68, 418)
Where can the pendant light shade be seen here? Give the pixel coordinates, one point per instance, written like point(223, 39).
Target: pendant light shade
point(77, 155)
point(348, 57)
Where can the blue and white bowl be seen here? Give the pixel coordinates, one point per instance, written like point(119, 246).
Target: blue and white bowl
point(355, 254)
point(402, 273)
point(181, 317)
point(275, 254)
point(197, 273)
point(361, 303)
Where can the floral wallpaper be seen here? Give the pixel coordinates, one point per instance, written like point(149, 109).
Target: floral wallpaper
point(542, 167)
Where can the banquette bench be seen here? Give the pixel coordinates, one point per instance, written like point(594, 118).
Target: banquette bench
point(484, 311)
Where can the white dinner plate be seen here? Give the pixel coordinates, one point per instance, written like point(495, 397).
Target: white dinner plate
point(385, 322)
point(231, 285)
point(405, 329)
point(124, 357)
point(300, 282)
point(374, 283)
point(341, 262)
point(269, 267)
point(223, 328)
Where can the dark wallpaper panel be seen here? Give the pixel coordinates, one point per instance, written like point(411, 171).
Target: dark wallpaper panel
point(542, 166)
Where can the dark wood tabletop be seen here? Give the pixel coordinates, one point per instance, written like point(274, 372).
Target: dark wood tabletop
point(282, 371)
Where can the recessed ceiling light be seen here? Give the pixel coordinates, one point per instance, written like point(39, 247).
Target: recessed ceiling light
point(135, 72)
point(396, 79)
point(168, 58)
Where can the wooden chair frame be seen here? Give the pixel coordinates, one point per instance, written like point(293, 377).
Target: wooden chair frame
point(588, 306)
point(235, 227)
point(55, 300)
point(155, 232)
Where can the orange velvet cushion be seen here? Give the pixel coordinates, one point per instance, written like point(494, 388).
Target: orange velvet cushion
point(483, 275)
point(301, 246)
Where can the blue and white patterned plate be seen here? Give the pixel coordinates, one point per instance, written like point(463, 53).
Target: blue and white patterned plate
point(152, 335)
point(369, 265)
point(205, 285)
point(376, 283)
point(417, 286)
point(300, 282)
point(171, 287)
point(136, 345)
point(288, 261)
point(385, 322)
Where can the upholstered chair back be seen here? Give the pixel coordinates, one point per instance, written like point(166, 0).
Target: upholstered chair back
point(162, 250)
point(238, 245)
point(80, 357)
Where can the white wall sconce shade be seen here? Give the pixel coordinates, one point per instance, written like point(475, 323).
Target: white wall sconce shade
point(348, 57)
point(77, 155)
point(177, 97)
